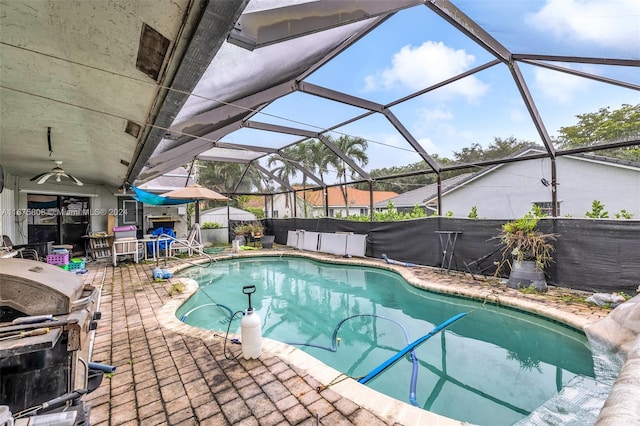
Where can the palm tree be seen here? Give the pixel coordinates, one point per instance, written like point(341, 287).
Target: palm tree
point(285, 169)
point(322, 157)
point(306, 153)
point(355, 148)
point(224, 177)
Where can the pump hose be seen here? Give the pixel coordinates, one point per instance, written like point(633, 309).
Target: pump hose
point(232, 315)
point(226, 338)
point(334, 348)
point(184, 316)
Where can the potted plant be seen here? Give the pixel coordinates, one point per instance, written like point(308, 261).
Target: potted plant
point(240, 231)
point(530, 251)
point(255, 229)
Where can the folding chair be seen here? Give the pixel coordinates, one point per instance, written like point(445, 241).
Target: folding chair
point(190, 244)
point(481, 264)
point(24, 251)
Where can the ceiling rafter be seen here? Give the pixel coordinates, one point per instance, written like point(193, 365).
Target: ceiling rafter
point(311, 135)
point(213, 23)
point(266, 27)
point(195, 146)
point(272, 176)
point(295, 163)
point(412, 141)
point(582, 74)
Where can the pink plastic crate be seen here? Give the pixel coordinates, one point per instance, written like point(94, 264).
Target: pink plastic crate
point(58, 259)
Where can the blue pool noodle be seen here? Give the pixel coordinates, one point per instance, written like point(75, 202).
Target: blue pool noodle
point(379, 369)
point(102, 367)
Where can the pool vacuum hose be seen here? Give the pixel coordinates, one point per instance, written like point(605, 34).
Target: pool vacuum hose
point(334, 348)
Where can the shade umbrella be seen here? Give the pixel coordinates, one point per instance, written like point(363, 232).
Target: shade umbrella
point(195, 192)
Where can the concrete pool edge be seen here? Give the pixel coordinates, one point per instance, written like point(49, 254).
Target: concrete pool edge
point(377, 403)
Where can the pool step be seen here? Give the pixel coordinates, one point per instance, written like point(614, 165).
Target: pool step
point(578, 403)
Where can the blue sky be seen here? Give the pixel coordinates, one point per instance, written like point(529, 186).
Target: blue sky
point(416, 49)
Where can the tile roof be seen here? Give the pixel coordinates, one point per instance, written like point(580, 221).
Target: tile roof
point(421, 195)
point(335, 198)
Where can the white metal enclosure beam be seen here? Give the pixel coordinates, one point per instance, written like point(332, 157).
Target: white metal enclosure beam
point(266, 27)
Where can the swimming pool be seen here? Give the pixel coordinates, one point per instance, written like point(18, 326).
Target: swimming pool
point(493, 366)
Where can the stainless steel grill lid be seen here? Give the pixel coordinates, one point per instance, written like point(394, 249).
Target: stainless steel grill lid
point(36, 288)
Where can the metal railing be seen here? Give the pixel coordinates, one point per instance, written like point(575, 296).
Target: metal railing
point(187, 245)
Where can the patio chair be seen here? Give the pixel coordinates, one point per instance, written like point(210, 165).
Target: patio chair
point(24, 251)
point(193, 242)
point(482, 264)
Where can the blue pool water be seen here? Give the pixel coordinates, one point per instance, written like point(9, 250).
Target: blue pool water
point(491, 367)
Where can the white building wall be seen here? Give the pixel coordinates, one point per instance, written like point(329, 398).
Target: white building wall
point(510, 191)
point(280, 205)
point(284, 211)
point(582, 182)
point(505, 193)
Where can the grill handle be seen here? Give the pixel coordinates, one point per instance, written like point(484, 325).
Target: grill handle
point(85, 301)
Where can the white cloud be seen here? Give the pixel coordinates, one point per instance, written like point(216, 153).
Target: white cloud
point(517, 115)
point(559, 86)
point(428, 145)
point(438, 122)
point(611, 24)
point(431, 120)
point(438, 125)
point(420, 67)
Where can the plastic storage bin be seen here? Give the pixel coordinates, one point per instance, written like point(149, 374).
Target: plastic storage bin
point(125, 231)
point(58, 259)
point(75, 264)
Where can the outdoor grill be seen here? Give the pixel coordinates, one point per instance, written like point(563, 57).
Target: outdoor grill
point(46, 315)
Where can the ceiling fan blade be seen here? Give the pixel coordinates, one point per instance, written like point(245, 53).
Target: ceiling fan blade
point(39, 176)
point(44, 178)
point(75, 179)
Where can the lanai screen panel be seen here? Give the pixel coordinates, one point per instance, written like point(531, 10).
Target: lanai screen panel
point(533, 45)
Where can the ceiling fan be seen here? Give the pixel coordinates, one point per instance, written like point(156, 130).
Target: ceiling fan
point(58, 172)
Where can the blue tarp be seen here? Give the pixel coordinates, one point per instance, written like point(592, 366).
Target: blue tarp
point(155, 199)
point(162, 245)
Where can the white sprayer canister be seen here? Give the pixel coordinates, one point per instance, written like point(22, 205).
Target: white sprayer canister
point(251, 334)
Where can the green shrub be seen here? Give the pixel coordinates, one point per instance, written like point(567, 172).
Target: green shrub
point(597, 211)
point(389, 215)
point(624, 214)
point(211, 225)
point(256, 211)
point(473, 214)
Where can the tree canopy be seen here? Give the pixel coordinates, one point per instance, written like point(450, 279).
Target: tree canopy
point(603, 126)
